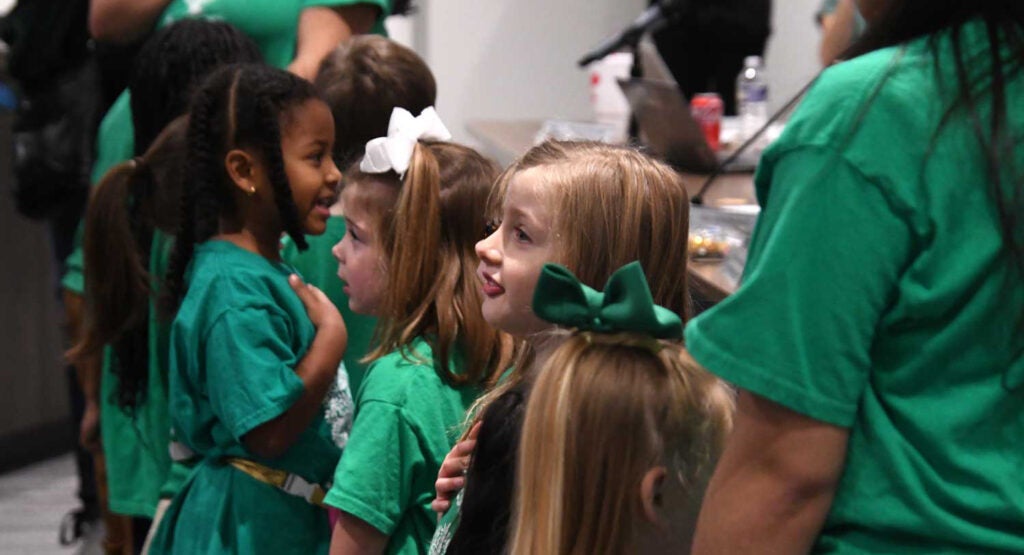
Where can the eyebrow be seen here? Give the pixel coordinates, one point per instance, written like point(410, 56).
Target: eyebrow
point(513, 211)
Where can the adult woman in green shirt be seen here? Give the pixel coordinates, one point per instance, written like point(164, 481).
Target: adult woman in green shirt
point(876, 338)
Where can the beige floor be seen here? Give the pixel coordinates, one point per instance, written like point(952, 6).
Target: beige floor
point(32, 502)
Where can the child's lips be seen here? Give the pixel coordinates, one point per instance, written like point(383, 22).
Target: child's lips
point(491, 288)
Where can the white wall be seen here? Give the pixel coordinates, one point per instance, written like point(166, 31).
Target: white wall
point(792, 53)
point(516, 59)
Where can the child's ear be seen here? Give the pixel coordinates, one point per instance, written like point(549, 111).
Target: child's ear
point(652, 495)
point(243, 169)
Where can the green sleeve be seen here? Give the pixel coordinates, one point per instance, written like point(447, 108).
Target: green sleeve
point(115, 143)
point(249, 366)
point(824, 263)
point(384, 5)
point(373, 481)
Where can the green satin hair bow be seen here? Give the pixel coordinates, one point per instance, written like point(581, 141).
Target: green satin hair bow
point(625, 305)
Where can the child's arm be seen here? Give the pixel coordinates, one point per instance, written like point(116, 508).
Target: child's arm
point(87, 371)
point(352, 536)
point(123, 21)
point(322, 28)
point(316, 370)
point(452, 476)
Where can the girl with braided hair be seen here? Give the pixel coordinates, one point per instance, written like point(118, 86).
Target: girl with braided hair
point(125, 375)
point(253, 350)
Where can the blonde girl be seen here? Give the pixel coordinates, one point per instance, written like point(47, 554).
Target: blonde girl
point(621, 430)
point(593, 208)
point(414, 208)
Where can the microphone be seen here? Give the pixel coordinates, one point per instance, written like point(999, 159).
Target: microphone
point(652, 19)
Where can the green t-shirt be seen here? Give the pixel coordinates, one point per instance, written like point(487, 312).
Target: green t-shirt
point(115, 143)
point(407, 419)
point(271, 23)
point(234, 346)
point(137, 469)
point(135, 448)
point(318, 266)
point(878, 297)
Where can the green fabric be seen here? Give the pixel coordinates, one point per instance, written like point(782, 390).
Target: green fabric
point(318, 266)
point(136, 453)
point(878, 297)
point(234, 345)
point(136, 448)
point(625, 304)
point(407, 419)
point(115, 143)
point(271, 23)
point(447, 526)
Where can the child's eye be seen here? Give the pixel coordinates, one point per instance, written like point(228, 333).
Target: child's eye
point(519, 235)
point(491, 226)
point(352, 232)
point(317, 157)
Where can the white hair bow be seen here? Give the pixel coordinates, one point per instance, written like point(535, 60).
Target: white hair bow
point(394, 152)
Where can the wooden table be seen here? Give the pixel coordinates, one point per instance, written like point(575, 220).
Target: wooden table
point(506, 140)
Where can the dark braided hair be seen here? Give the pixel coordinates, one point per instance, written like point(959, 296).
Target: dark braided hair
point(172, 63)
point(239, 106)
point(168, 68)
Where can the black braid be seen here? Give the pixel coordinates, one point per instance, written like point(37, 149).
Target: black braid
point(271, 148)
point(168, 68)
point(173, 62)
point(202, 177)
point(263, 95)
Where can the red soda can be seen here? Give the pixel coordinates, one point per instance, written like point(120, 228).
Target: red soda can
point(707, 109)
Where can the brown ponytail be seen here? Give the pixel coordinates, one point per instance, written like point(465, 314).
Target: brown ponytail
point(117, 284)
point(131, 201)
point(428, 230)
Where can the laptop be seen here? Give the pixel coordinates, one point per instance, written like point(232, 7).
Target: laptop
point(664, 120)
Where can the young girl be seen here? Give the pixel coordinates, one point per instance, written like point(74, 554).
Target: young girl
point(621, 430)
point(414, 209)
point(363, 80)
point(251, 360)
point(593, 208)
point(132, 383)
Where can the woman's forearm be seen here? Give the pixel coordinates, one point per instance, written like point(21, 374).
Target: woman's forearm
point(123, 21)
point(322, 29)
point(837, 31)
point(774, 484)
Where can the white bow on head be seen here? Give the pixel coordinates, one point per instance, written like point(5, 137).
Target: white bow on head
point(394, 152)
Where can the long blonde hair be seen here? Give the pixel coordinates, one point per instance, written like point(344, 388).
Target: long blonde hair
point(428, 224)
point(614, 205)
point(604, 410)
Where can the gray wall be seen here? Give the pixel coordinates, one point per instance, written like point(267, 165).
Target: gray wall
point(515, 59)
point(33, 389)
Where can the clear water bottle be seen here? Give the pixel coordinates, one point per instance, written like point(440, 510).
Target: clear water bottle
point(752, 96)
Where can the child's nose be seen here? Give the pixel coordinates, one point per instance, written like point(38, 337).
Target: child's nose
point(336, 251)
point(487, 249)
point(333, 175)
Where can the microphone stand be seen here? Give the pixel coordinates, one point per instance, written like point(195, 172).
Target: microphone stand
point(651, 20)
